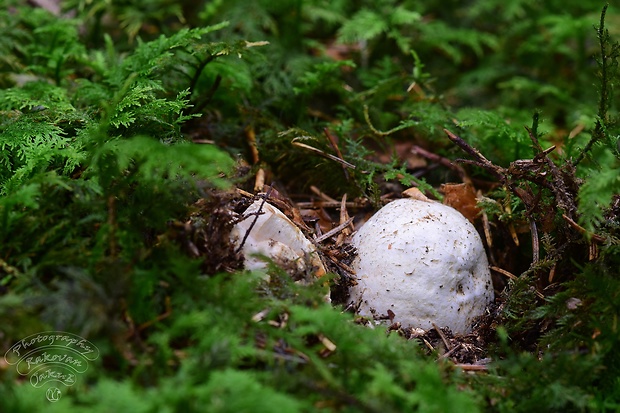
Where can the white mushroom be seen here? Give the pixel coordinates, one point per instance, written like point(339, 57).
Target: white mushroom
point(276, 237)
point(425, 263)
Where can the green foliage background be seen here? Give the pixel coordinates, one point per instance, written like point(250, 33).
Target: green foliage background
point(97, 110)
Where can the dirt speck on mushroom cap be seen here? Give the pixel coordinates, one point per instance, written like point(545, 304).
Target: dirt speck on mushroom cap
point(423, 261)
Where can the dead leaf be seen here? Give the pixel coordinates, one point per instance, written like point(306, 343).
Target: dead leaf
point(461, 197)
point(415, 193)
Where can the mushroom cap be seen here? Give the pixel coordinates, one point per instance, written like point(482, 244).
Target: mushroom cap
point(423, 261)
point(277, 237)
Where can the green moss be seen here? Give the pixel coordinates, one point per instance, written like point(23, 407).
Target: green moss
point(120, 129)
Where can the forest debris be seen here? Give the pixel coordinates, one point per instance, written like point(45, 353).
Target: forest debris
point(443, 337)
point(357, 203)
point(333, 140)
point(535, 243)
point(552, 272)
point(324, 154)
point(405, 153)
point(415, 193)
point(513, 277)
point(511, 227)
point(244, 193)
point(344, 217)
point(321, 194)
point(205, 232)
point(576, 130)
point(528, 170)
point(259, 182)
point(318, 216)
point(480, 160)
point(260, 316)
point(250, 134)
point(329, 345)
point(504, 272)
point(487, 227)
point(594, 237)
point(461, 197)
point(281, 322)
point(451, 351)
point(443, 162)
point(286, 206)
point(334, 231)
point(471, 367)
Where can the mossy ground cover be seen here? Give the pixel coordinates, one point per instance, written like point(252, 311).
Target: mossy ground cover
point(132, 134)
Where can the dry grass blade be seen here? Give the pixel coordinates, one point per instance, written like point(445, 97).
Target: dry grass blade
point(323, 154)
point(334, 231)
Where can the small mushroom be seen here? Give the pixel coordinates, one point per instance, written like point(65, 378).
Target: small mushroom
point(275, 236)
point(421, 263)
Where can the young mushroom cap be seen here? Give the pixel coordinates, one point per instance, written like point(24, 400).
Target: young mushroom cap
point(275, 236)
point(425, 263)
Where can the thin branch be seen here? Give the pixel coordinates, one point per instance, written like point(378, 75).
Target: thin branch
point(323, 154)
point(442, 161)
point(257, 214)
point(559, 187)
point(480, 159)
point(199, 70)
point(443, 337)
point(450, 352)
point(334, 231)
point(333, 141)
point(535, 243)
point(472, 367)
point(216, 84)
